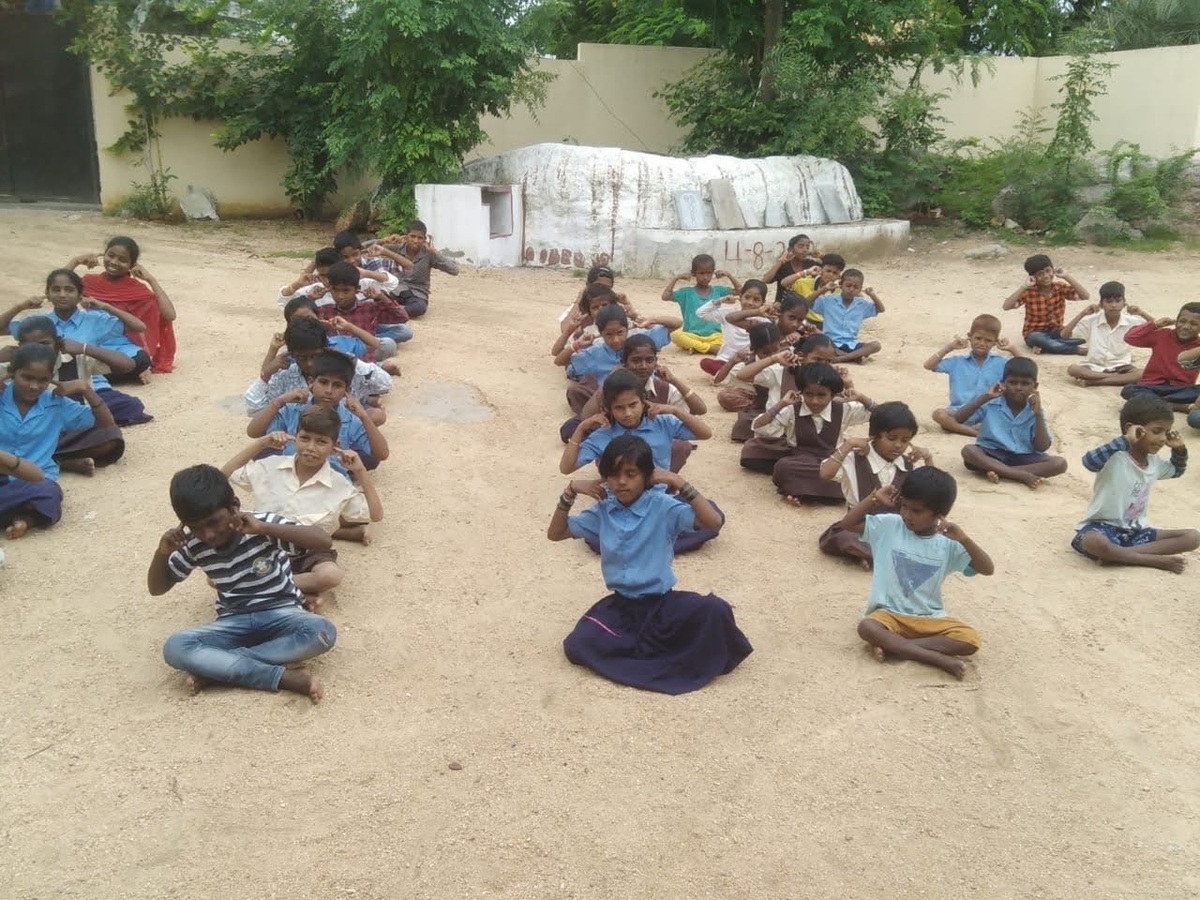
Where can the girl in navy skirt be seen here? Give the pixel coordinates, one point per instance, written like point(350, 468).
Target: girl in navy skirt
point(645, 633)
point(33, 417)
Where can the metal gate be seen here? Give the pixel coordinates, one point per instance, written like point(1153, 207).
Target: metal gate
point(47, 139)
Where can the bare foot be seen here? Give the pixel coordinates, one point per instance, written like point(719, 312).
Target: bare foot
point(1037, 350)
point(194, 684)
point(878, 653)
point(1031, 481)
point(82, 466)
point(865, 565)
point(17, 529)
point(313, 603)
point(144, 376)
point(793, 501)
point(366, 537)
point(391, 366)
point(951, 664)
point(298, 681)
point(1081, 351)
point(992, 477)
point(1174, 564)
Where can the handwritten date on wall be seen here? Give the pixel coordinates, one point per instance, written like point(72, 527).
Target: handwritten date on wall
point(758, 255)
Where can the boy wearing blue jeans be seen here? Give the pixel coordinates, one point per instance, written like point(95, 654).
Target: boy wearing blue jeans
point(1013, 437)
point(843, 313)
point(914, 551)
point(1044, 296)
point(261, 627)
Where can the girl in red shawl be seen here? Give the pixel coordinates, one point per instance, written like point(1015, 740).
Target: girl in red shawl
point(144, 298)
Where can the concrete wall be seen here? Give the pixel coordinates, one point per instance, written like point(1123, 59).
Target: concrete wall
point(604, 99)
point(483, 224)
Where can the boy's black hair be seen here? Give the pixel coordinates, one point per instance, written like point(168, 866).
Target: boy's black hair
point(702, 259)
point(596, 292)
point(31, 355)
point(833, 259)
point(763, 334)
point(418, 225)
point(1193, 308)
point(755, 283)
point(344, 239)
point(599, 272)
point(795, 239)
point(333, 364)
point(1112, 289)
point(70, 273)
point(305, 334)
point(812, 342)
point(199, 491)
point(322, 420)
point(1020, 367)
point(819, 373)
point(853, 273)
point(128, 243)
point(611, 313)
point(633, 342)
point(1036, 263)
point(892, 414)
point(627, 448)
point(31, 325)
point(791, 300)
point(1143, 409)
point(620, 381)
point(933, 487)
point(300, 301)
point(342, 273)
point(326, 256)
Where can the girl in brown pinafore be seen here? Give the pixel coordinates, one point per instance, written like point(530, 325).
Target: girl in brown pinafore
point(861, 466)
point(811, 421)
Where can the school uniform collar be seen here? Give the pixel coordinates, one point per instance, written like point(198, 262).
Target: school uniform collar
point(1125, 319)
point(878, 463)
point(825, 415)
point(639, 508)
point(324, 475)
point(44, 399)
point(75, 318)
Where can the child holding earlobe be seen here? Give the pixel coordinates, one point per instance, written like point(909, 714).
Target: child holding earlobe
point(645, 633)
point(734, 338)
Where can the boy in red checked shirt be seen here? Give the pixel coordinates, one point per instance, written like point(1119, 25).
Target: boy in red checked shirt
point(1171, 370)
point(1045, 299)
point(376, 312)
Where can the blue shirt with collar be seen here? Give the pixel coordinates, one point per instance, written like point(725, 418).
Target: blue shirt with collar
point(600, 359)
point(636, 541)
point(35, 435)
point(842, 322)
point(657, 432)
point(1002, 429)
point(968, 377)
point(352, 435)
point(89, 326)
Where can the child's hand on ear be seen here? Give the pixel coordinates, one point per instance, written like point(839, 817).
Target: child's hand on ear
point(277, 342)
point(244, 523)
point(339, 323)
point(1035, 402)
point(950, 530)
point(74, 388)
point(589, 487)
point(276, 440)
point(353, 406)
point(917, 454)
point(673, 480)
point(591, 423)
point(1165, 322)
point(996, 390)
point(791, 398)
point(859, 445)
point(35, 302)
point(173, 539)
point(352, 461)
point(139, 271)
point(1175, 440)
point(586, 341)
point(664, 373)
point(888, 495)
point(654, 409)
point(296, 395)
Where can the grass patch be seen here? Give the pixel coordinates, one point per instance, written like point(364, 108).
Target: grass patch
point(289, 254)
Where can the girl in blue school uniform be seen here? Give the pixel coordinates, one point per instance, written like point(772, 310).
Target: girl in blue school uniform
point(33, 417)
point(645, 633)
point(627, 411)
point(95, 336)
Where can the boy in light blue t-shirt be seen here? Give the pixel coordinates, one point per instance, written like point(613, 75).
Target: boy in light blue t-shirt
point(914, 550)
point(970, 374)
point(843, 313)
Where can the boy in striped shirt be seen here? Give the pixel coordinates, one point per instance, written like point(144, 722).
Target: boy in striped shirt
point(261, 627)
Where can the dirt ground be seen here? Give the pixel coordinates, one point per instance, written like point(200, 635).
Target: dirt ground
point(1063, 766)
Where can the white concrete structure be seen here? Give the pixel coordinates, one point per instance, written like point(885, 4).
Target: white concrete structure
point(482, 223)
point(584, 206)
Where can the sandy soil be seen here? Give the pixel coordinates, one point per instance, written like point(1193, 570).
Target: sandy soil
point(1063, 766)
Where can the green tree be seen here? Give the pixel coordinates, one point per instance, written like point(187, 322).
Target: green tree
point(1136, 24)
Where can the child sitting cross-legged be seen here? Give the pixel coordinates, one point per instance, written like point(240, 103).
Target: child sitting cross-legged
point(734, 339)
point(261, 630)
point(1170, 372)
point(1109, 358)
point(305, 488)
point(645, 633)
point(1013, 437)
point(344, 336)
point(971, 373)
point(372, 310)
point(1114, 529)
point(914, 549)
point(863, 465)
point(698, 335)
point(1044, 296)
point(314, 279)
point(843, 312)
point(331, 375)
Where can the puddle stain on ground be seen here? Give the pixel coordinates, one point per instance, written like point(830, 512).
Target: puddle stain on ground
point(459, 404)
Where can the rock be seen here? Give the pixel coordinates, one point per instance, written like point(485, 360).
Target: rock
point(725, 205)
point(1094, 193)
point(456, 767)
point(1100, 225)
point(356, 216)
point(1011, 224)
point(1000, 202)
point(988, 251)
point(198, 205)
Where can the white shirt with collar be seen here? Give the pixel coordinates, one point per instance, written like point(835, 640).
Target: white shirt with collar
point(320, 294)
point(324, 500)
point(1106, 343)
point(847, 476)
point(784, 424)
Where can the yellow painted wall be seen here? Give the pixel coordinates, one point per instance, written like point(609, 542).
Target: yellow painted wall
point(605, 98)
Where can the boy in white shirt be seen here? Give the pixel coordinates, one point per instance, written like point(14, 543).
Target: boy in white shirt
point(314, 280)
point(307, 490)
point(1109, 359)
point(1113, 529)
